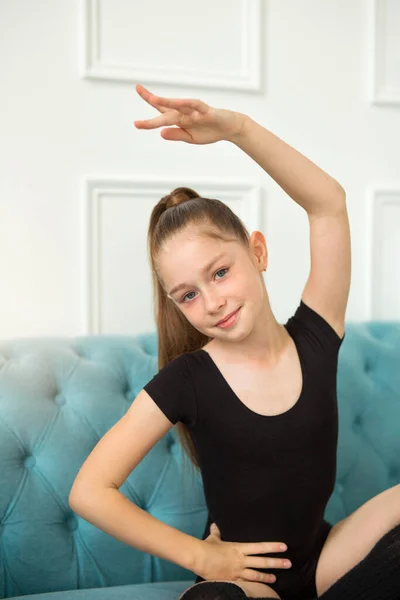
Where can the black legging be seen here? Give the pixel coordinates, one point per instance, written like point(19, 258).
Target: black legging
point(376, 577)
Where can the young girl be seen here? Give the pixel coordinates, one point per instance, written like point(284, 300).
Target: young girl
point(254, 401)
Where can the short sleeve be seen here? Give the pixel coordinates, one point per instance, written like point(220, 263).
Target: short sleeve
point(173, 392)
point(319, 334)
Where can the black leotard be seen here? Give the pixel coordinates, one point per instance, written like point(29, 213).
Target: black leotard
point(265, 478)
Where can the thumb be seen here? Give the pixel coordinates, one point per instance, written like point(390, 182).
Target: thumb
point(176, 134)
point(214, 529)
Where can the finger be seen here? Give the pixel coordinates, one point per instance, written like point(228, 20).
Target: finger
point(177, 134)
point(150, 98)
point(147, 96)
point(169, 118)
point(251, 575)
point(261, 547)
point(257, 562)
point(185, 105)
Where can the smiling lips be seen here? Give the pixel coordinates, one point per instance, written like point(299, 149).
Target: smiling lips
point(227, 317)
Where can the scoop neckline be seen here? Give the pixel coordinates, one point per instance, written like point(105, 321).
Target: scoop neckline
point(245, 407)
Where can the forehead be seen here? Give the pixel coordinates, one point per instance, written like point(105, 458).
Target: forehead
point(184, 255)
point(188, 240)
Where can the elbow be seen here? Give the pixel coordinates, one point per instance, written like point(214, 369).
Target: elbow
point(78, 496)
point(81, 496)
point(338, 202)
point(83, 488)
point(341, 193)
point(73, 499)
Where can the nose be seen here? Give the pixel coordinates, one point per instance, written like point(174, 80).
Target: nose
point(213, 302)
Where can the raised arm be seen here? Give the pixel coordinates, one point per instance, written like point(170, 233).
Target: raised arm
point(321, 196)
point(324, 200)
point(305, 182)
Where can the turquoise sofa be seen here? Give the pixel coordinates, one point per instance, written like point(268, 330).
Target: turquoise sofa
point(59, 396)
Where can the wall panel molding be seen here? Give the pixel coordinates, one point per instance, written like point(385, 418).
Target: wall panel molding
point(383, 243)
point(96, 65)
point(110, 204)
point(385, 52)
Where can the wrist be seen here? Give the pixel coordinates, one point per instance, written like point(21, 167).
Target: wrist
point(198, 557)
point(240, 132)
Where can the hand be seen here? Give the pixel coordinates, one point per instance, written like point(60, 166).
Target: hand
point(232, 561)
point(197, 123)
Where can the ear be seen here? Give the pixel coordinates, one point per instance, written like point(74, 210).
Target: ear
point(259, 249)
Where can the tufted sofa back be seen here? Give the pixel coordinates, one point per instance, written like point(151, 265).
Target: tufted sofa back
point(59, 396)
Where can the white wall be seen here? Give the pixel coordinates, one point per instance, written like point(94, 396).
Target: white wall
point(78, 180)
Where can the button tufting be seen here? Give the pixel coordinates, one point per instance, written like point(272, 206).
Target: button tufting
point(172, 445)
point(174, 448)
point(29, 462)
point(59, 400)
point(358, 421)
point(72, 523)
point(394, 472)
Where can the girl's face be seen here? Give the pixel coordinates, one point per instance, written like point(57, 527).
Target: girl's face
point(208, 279)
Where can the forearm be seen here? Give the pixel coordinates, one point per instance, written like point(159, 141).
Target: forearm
point(114, 513)
point(299, 177)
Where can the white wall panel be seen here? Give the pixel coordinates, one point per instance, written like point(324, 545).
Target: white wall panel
point(116, 270)
point(384, 257)
point(207, 44)
point(386, 52)
point(67, 106)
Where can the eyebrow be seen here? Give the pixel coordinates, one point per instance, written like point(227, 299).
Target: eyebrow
point(203, 270)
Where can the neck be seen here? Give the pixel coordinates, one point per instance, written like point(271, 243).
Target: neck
point(264, 346)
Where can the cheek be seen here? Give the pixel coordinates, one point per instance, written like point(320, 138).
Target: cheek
point(252, 288)
point(192, 313)
point(248, 281)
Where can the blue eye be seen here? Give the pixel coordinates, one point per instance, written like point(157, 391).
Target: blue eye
point(183, 299)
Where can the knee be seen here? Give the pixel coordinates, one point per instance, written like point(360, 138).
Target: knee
point(253, 589)
point(214, 590)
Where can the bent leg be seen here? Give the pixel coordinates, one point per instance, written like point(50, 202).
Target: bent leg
point(350, 540)
point(375, 577)
point(214, 590)
point(228, 590)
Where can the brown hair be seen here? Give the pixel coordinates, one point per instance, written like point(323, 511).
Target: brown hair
point(182, 207)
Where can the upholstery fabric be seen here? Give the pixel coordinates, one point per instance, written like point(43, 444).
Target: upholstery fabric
point(59, 396)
